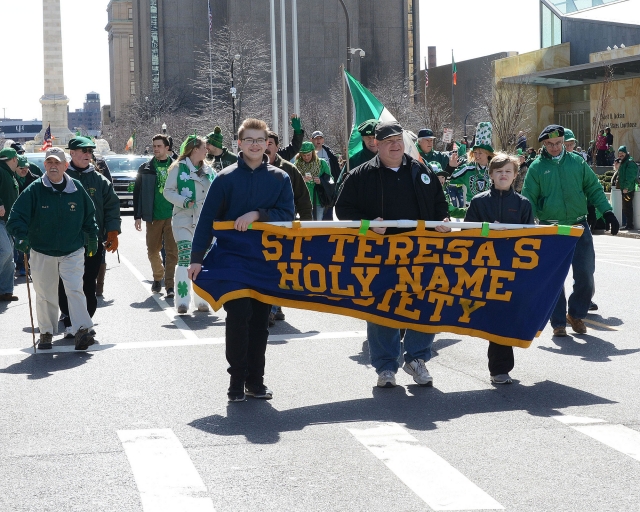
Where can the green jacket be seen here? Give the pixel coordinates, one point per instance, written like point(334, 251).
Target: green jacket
point(104, 199)
point(362, 156)
point(435, 156)
point(559, 189)
point(55, 223)
point(454, 211)
point(628, 175)
point(8, 189)
point(227, 158)
point(475, 178)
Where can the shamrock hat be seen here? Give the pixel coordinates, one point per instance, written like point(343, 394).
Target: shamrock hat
point(623, 149)
point(307, 147)
point(551, 132)
point(81, 142)
point(484, 134)
point(368, 128)
point(215, 138)
point(191, 140)
point(8, 154)
point(437, 169)
point(426, 133)
point(569, 136)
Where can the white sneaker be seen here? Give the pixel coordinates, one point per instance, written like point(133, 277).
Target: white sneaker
point(203, 308)
point(386, 379)
point(419, 372)
point(69, 333)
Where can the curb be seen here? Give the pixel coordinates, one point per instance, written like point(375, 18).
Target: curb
point(621, 234)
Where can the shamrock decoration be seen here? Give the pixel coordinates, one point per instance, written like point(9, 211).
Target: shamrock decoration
point(183, 289)
point(185, 192)
point(131, 186)
point(184, 176)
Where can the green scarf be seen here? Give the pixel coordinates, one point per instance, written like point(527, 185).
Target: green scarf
point(312, 167)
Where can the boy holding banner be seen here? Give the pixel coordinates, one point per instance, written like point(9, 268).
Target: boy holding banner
point(248, 191)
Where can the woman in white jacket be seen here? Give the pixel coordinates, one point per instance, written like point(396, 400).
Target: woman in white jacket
point(186, 188)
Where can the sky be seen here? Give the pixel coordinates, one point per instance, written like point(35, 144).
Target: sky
point(497, 25)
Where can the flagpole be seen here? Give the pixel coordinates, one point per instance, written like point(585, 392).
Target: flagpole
point(274, 70)
point(210, 60)
point(346, 112)
point(426, 71)
point(283, 56)
point(294, 44)
point(453, 100)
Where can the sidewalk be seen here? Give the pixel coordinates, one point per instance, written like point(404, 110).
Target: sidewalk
point(634, 233)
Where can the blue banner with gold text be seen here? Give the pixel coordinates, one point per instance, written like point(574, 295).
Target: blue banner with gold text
point(496, 285)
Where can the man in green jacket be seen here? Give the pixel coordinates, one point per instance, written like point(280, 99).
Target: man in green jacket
point(53, 217)
point(426, 140)
point(559, 185)
point(627, 183)
point(218, 155)
point(8, 195)
point(369, 149)
point(107, 215)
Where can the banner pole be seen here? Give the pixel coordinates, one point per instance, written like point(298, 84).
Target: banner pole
point(346, 114)
point(404, 224)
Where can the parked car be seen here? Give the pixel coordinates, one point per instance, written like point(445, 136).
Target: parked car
point(123, 171)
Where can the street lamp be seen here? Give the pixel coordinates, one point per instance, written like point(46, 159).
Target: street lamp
point(164, 128)
point(233, 92)
point(346, 15)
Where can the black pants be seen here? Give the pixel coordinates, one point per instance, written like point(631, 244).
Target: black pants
point(246, 333)
point(627, 208)
point(601, 157)
point(500, 358)
point(90, 278)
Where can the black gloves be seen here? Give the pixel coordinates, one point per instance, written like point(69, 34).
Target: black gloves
point(612, 222)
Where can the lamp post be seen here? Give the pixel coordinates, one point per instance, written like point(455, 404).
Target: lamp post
point(346, 15)
point(233, 105)
point(465, 122)
point(164, 128)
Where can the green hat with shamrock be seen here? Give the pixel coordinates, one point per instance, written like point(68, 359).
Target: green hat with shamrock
point(484, 134)
point(569, 136)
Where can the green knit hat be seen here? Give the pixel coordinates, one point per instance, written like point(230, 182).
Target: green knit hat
point(190, 140)
point(484, 134)
point(569, 136)
point(623, 149)
point(307, 147)
point(215, 138)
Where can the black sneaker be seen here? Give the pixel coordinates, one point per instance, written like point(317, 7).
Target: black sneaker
point(45, 342)
point(236, 391)
point(156, 287)
point(83, 339)
point(170, 293)
point(593, 306)
point(272, 319)
point(279, 314)
point(260, 391)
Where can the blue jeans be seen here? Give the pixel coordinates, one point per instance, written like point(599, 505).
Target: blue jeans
point(384, 346)
point(7, 267)
point(456, 195)
point(584, 266)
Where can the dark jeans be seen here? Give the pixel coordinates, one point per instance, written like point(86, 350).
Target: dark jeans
point(327, 214)
point(584, 266)
point(601, 157)
point(627, 208)
point(246, 333)
point(456, 194)
point(500, 358)
point(90, 278)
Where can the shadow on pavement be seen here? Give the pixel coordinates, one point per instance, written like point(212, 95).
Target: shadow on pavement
point(595, 349)
point(259, 422)
point(43, 365)
point(439, 343)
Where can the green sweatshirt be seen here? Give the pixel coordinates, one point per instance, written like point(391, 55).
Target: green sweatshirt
point(628, 175)
point(8, 189)
point(55, 223)
point(559, 189)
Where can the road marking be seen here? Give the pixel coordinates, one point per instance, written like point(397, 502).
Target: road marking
point(133, 345)
point(620, 438)
point(600, 324)
point(167, 308)
point(428, 475)
point(165, 476)
point(616, 263)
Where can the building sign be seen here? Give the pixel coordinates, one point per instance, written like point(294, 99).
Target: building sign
point(155, 48)
point(614, 116)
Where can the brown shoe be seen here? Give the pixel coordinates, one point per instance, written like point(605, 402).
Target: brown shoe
point(6, 297)
point(559, 331)
point(577, 325)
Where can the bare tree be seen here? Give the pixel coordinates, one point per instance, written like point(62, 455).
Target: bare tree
point(508, 105)
point(435, 113)
point(603, 92)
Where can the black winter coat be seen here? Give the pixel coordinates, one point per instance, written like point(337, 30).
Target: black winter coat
point(506, 207)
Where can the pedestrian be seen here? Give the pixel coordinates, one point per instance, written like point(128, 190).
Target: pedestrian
point(314, 172)
point(475, 174)
point(523, 166)
point(107, 213)
point(609, 136)
point(559, 185)
point(186, 187)
point(521, 141)
point(394, 186)
point(628, 184)
point(289, 152)
point(324, 153)
point(150, 206)
point(367, 151)
point(24, 177)
point(248, 191)
point(424, 144)
point(501, 204)
point(57, 204)
point(35, 170)
point(218, 156)
point(601, 149)
point(8, 194)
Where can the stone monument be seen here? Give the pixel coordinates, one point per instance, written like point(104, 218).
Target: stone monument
point(54, 102)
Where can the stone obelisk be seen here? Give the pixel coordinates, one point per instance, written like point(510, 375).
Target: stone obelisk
point(54, 102)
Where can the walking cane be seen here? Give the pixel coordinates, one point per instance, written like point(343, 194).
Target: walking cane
point(33, 329)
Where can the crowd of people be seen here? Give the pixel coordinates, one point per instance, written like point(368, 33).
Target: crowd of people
point(67, 218)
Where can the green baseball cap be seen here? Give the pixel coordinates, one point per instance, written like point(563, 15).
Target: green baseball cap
point(81, 142)
point(569, 136)
point(22, 161)
point(307, 147)
point(8, 154)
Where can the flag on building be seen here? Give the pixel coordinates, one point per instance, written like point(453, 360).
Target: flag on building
point(46, 140)
point(366, 106)
point(210, 15)
point(454, 70)
point(131, 142)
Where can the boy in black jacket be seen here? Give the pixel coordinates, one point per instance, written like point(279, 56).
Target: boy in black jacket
point(504, 205)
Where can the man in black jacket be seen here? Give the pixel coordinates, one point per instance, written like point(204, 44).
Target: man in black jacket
point(324, 152)
point(150, 205)
point(296, 140)
point(394, 186)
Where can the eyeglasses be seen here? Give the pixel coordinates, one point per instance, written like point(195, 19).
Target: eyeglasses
point(251, 142)
point(87, 150)
point(554, 144)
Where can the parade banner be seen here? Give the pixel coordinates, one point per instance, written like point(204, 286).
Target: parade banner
point(496, 285)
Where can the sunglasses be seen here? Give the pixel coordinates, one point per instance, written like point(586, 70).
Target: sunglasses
point(87, 150)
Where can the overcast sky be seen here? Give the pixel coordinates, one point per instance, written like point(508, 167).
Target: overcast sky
point(489, 27)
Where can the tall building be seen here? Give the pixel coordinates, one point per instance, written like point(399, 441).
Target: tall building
point(164, 37)
point(88, 118)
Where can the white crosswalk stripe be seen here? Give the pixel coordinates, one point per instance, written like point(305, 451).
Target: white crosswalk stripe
point(428, 475)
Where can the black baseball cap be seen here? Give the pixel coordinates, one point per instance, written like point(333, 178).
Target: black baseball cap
point(388, 129)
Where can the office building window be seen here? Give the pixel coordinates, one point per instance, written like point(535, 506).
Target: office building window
point(130, 13)
point(133, 88)
point(131, 65)
point(551, 27)
point(130, 40)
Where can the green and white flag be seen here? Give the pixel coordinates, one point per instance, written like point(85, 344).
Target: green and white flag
point(366, 106)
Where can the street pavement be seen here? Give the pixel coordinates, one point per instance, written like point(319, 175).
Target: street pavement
point(141, 421)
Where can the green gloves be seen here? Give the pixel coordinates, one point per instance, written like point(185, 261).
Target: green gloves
point(296, 124)
point(92, 246)
point(23, 245)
